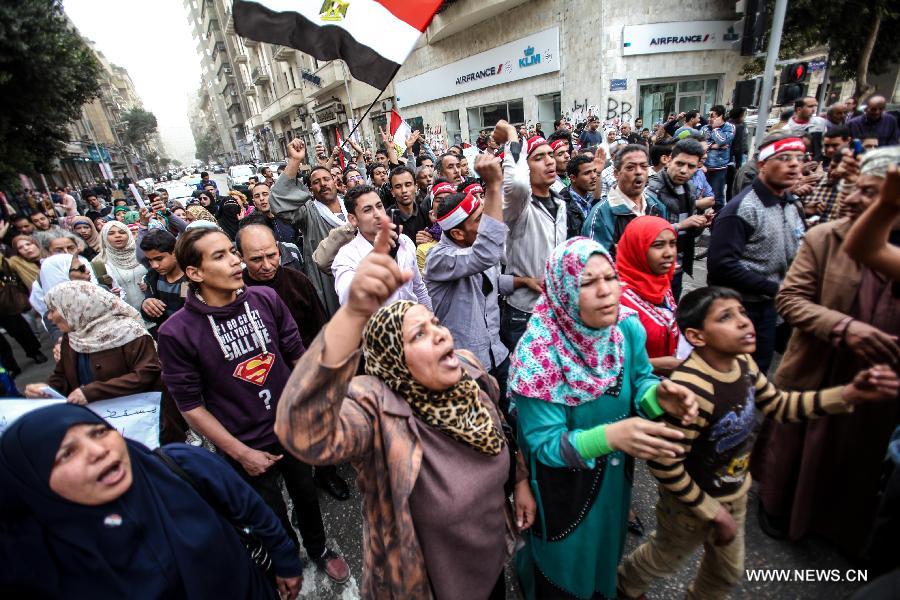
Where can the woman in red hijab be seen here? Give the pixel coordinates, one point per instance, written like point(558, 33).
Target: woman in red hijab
point(645, 260)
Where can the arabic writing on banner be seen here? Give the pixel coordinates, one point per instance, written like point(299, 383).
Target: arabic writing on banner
point(135, 417)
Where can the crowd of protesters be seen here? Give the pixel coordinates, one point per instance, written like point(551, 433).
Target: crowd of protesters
point(492, 344)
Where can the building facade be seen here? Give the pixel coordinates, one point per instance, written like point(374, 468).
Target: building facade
point(532, 62)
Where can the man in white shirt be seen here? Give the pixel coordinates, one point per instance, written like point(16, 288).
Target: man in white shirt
point(365, 211)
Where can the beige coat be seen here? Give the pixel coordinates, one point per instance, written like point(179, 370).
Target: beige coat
point(818, 293)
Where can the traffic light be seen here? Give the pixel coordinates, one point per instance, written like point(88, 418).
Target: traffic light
point(753, 24)
point(793, 83)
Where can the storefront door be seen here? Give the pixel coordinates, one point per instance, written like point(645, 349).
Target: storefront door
point(658, 99)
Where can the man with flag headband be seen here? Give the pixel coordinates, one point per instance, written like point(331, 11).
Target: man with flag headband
point(536, 218)
point(462, 272)
point(755, 237)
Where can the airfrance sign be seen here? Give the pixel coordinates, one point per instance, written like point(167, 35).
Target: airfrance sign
point(685, 36)
point(536, 54)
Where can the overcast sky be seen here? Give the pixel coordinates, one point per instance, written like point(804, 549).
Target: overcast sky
point(152, 40)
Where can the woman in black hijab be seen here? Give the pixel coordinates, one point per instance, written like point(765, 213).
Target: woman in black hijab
point(89, 514)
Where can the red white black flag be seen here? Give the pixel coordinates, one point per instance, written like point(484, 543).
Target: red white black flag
point(373, 37)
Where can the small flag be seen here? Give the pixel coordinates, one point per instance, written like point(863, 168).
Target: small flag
point(340, 143)
point(373, 37)
point(400, 130)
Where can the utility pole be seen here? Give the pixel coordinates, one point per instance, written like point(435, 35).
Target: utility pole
point(765, 96)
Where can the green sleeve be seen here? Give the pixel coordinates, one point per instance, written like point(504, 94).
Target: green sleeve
point(649, 405)
point(591, 443)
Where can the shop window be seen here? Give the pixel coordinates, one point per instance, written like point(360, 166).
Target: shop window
point(659, 99)
point(549, 109)
point(454, 130)
point(483, 117)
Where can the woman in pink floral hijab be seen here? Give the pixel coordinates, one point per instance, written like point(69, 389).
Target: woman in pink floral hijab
point(585, 395)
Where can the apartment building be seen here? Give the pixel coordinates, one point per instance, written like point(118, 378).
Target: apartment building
point(261, 96)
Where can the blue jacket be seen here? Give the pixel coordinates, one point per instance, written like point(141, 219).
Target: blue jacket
point(608, 218)
point(716, 158)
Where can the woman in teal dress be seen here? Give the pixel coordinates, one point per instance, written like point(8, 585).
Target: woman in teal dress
point(585, 393)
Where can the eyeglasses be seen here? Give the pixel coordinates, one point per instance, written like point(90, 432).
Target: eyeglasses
point(79, 269)
point(357, 178)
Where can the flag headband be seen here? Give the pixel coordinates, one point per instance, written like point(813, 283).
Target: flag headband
point(785, 145)
point(459, 214)
point(442, 188)
point(557, 143)
point(532, 143)
point(473, 188)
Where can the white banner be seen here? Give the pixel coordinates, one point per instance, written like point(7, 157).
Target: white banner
point(536, 54)
point(135, 417)
point(682, 36)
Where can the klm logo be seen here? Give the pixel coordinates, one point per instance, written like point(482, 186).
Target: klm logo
point(530, 58)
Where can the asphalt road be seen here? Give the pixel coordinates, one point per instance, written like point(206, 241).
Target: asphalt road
point(343, 524)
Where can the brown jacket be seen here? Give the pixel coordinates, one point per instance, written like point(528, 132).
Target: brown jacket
point(129, 369)
point(818, 293)
point(326, 416)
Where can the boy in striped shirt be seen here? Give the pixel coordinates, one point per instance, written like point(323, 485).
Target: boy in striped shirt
point(703, 492)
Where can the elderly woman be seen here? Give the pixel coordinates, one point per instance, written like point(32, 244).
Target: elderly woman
point(823, 476)
point(106, 351)
point(86, 513)
point(646, 258)
point(60, 241)
point(584, 392)
point(424, 433)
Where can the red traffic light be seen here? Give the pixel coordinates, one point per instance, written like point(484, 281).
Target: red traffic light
point(797, 72)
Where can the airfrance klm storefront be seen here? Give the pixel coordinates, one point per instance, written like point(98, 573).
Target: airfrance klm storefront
point(517, 81)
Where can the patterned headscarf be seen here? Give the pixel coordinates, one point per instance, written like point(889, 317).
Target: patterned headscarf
point(877, 161)
point(99, 320)
point(560, 359)
point(200, 214)
point(124, 259)
point(457, 412)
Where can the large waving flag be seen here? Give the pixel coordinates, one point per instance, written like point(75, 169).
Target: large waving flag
point(373, 37)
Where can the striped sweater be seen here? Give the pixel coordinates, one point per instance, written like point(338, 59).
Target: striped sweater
point(714, 466)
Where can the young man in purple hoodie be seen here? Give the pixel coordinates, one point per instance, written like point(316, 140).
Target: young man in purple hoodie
point(226, 356)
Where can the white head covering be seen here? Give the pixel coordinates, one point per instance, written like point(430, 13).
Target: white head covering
point(876, 162)
point(99, 320)
point(54, 271)
point(124, 259)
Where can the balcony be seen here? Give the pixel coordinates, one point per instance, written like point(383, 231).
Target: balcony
point(331, 76)
point(250, 90)
point(241, 58)
point(259, 76)
point(250, 43)
point(217, 49)
point(213, 27)
point(282, 53)
point(457, 16)
point(283, 106)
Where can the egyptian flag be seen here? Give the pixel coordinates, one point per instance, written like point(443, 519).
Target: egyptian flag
point(339, 142)
point(373, 37)
point(400, 130)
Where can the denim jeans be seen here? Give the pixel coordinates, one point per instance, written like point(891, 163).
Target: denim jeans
point(512, 326)
point(716, 179)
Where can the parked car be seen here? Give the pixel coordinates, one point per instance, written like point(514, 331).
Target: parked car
point(178, 190)
point(218, 169)
point(239, 175)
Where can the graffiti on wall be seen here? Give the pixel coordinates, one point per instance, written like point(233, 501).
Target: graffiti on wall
point(618, 108)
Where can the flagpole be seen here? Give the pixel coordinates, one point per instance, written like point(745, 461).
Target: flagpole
point(377, 98)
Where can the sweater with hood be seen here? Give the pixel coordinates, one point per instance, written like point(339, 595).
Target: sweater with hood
point(235, 360)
